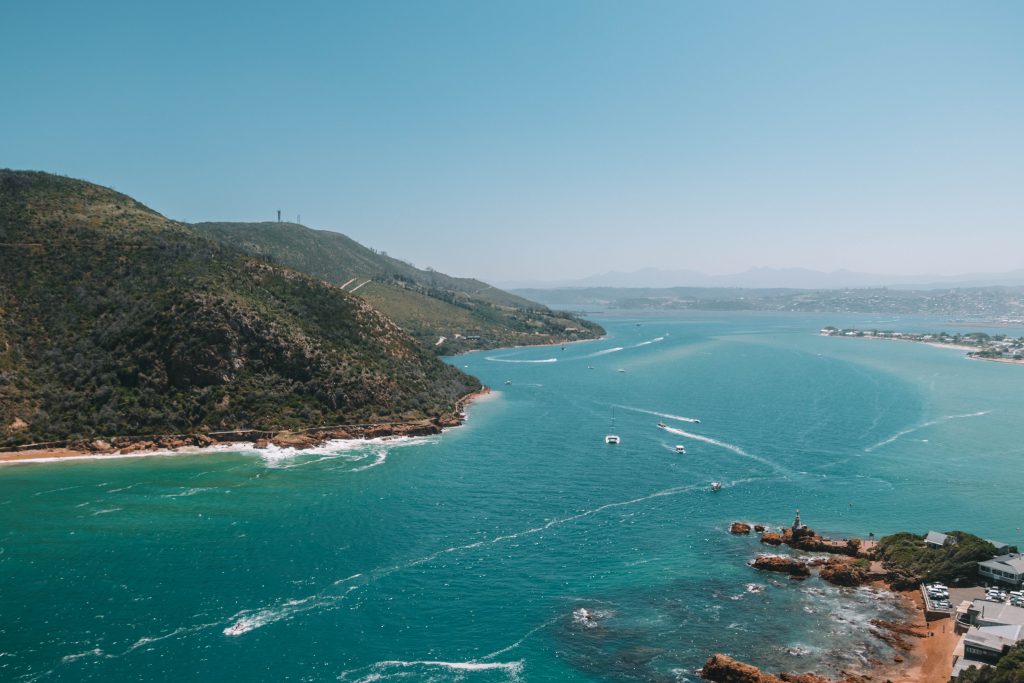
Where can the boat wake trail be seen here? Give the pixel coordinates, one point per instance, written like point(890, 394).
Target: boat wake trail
point(649, 341)
point(603, 352)
point(924, 425)
point(495, 359)
point(668, 416)
point(729, 447)
point(250, 620)
point(430, 670)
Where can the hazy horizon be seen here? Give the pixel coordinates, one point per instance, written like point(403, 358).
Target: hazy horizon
point(549, 142)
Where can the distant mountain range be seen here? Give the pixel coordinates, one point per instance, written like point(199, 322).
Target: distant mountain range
point(777, 278)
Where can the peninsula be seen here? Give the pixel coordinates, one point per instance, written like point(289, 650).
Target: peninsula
point(998, 347)
point(121, 329)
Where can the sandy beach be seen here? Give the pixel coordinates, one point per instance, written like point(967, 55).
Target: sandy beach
point(931, 658)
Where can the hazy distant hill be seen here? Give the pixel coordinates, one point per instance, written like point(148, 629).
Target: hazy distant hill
point(776, 278)
point(116, 320)
point(467, 313)
point(969, 303)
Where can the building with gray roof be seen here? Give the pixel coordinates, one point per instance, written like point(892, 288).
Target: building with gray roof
point(1007, 569)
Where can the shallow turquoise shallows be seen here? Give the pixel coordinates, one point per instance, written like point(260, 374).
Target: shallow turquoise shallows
point(520, 546)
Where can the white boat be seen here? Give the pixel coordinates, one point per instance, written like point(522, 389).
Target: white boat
point(680, 448)
point(508, 381)
point(611, 438)
point(590, 367)
point(716, 486)
point(620, 370)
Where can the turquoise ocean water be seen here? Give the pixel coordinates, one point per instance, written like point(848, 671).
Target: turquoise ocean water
point(469, 556)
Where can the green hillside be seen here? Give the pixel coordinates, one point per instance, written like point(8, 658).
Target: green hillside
point(115, 320)
point(467, 313)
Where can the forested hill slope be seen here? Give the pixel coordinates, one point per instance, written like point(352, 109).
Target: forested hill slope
point(115, 320)
point(469, 314)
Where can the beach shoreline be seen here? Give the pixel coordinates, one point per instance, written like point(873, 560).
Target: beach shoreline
point(217, 442)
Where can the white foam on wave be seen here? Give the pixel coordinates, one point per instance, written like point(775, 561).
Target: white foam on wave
point(924, 425)
point(425, 670)
point(495, 359)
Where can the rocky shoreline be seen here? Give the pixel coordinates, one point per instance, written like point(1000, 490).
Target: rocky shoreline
point(846, 563)
point(308, 438)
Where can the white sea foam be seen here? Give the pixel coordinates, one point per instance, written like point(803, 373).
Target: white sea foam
point(249, 620)
point(930, 423)
point(185, 492)
point(425, 670)
point(95, 652)
point(495, 359)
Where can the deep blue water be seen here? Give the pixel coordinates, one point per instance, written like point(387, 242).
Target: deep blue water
point(470, 555)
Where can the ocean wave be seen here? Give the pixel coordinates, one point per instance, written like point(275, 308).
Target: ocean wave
point(930, 423)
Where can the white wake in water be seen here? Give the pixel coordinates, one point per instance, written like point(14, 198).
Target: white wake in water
point(495, 359)
point(429, 670)
point(667, 416)
point(649, 341)
point(924, 425)
point(250, 620)
point(727, 446)
point(603, 352)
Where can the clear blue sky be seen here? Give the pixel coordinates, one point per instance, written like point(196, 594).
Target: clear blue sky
point(547, 139)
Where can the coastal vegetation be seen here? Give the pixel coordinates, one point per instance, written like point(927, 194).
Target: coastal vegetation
point(446, 314)
point(115, 320)
point(910, 561)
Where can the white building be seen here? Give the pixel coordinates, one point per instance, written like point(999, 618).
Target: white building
point(1007, 569)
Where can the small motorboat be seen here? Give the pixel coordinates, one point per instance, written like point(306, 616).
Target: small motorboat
point(508, 381)
point(620, 370)
point(680, 448)
point(611, 439)
point(716, 486)
point(662, 425)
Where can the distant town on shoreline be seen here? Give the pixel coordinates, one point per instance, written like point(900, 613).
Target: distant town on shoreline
point(998, 347)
